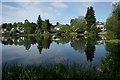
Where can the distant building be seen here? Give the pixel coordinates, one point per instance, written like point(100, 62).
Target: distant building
point(101, 25)
point(3, 30)
point(57, 28)
point(20, 29)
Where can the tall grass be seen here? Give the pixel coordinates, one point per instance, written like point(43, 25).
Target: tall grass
point(52, 72)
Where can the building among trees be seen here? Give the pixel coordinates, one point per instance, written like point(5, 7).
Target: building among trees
point(101, 25)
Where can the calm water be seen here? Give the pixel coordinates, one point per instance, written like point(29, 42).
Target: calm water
point(46, 50)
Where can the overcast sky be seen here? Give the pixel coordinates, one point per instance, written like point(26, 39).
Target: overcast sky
point(61, 12)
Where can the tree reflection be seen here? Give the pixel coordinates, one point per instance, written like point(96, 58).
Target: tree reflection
point(85, 45)
point(43, 43)
point(90, 47)
point(27, 43)
point(79, 44)
point(89, 51)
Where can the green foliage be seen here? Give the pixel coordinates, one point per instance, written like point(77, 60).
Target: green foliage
point(65, 28)
point(107, 64)
point(113, 22)
point(19, 24)
point(49, 72)
point(39, 22)
point(9, 26)
point(29, 28)
point(113, 41)
point(73, 34)
point(4, 25)
point(78, 24)
point(15, 25)
point(111, 35)
point(94, 29)
point(90, 17)
point(111, 64)
point(46, 26)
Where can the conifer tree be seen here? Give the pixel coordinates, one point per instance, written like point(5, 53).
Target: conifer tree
point(90, 17)
point(39, 22)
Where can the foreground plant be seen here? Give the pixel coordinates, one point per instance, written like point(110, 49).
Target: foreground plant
point(48, 72)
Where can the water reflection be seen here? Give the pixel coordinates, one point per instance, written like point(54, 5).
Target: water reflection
point(90, 50)
point(80, 44)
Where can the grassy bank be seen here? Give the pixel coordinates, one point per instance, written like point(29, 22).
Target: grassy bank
point(52, 72)
point(102, 33)
point(114, 41)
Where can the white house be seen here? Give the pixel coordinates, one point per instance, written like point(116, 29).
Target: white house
point(57, 28)
point(101, 25)
point(20, 29)
point(3, 30)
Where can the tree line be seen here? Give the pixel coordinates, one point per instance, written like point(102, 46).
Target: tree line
point(78, 25)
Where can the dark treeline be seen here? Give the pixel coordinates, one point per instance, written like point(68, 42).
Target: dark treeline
point(80, 25)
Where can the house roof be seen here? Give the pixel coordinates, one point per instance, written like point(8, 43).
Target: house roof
point(100, 23)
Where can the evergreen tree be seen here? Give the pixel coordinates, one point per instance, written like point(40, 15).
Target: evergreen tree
point(39, 22)
point(90, 17)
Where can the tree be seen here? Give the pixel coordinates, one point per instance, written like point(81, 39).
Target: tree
point(15, 28)
point(9, 27)
point(39, 22)
point(27, 28)
point(94, 29)
point(4, 25)
point(57, 23)
point(90, 17)
point(113, 22)
point(78, 24)
point(33, 27)
point(20, 27)
point(14, 25)
point(46, 26)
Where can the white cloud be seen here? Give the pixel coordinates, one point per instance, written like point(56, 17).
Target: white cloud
point(27, 10)
point(31, 10)
point(59, 5)
point(88, 4)
point(55, 11)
